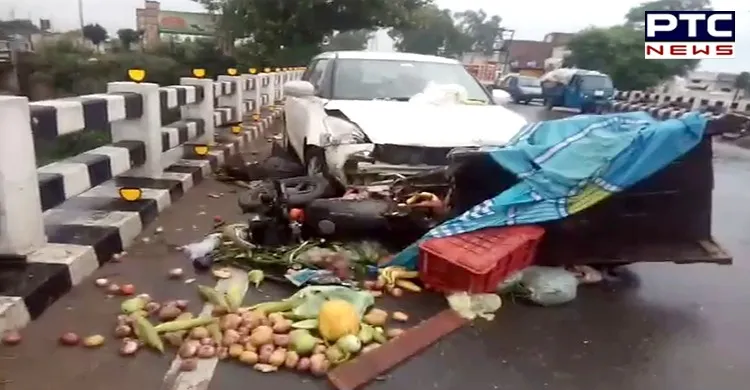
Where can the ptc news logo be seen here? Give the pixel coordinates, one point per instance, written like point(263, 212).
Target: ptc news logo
point(689, 34)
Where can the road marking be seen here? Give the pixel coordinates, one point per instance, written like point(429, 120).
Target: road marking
point(199, 379)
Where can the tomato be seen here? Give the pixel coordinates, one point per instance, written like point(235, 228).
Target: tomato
point(296, 215)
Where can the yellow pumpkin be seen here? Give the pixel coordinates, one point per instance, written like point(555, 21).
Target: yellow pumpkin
point(337, 318)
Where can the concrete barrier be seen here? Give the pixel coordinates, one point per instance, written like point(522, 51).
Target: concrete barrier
point(60, 222)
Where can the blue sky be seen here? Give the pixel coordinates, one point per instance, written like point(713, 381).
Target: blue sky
point(530, 18)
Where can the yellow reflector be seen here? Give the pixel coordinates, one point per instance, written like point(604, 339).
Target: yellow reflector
point(236, 129)
point(137, 75)
point(278, 69)
point(232, 71)
point(199, 73)
point(253, 71)
point(200, 150)
point(130, 194)
point(266, 70)
point(256, 117)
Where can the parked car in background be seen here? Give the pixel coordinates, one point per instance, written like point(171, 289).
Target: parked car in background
point(350, 116)
point(522, 89)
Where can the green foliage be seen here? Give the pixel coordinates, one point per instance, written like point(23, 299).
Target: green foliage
point(128, 37)
point(439, 31)
point(271, 28)
point(618, 51)
point(95, 33)
point(636, 16)
point(349, 40)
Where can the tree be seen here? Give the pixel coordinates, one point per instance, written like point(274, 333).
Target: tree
point(484, 30)
point(349, 40)
point(741, 85)
point(95, 33)
point(274, 27)
point(128, 37)
point(618, 51)
point(636, 16)
point(433, 31)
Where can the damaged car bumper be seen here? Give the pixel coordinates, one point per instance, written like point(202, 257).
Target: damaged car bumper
point(362, 164)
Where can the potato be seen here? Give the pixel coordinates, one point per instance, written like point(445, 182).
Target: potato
point(230, 337)
point(282, 326)
point(169, 312)
point(292, 358)
point(319, 364)
point(248, 357)
point(235, 350)
point(188, 349)
point(230, 321)
point(277, 358)
point(276, 317)
point(303, 365)
point(281, 340)
point(199, 332)
point(319, 349)
point(394, 332)
point(206, 352)
point(188, 364)
point(400, 316)
point(262, 335)
point(376, 317)
point(265, 352)
point(252, 319)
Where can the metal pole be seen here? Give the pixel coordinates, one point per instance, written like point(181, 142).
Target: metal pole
point(80, 14)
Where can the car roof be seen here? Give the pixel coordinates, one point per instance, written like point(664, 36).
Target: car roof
point(384, 55)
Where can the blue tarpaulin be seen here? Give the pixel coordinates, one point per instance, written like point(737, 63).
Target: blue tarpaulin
point(570, 164)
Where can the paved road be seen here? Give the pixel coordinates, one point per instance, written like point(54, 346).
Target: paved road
point(663, 327)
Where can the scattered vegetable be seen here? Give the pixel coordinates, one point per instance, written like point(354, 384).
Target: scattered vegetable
point(248, 357)
point(262, 335)
point(337, 318)
point(206, 352)
point(277, 358)
point(370, 347)
point(234, 297)
point(281, 340)
point(187, 365)
point(303, 365)
point(128, 347)
point(93, 341)
point(169, 312)
point(318, 364)
point(365, 333)
point(394, 332)
point(349, 344)
point(292, 359)
point(113, 289)
point(376, 317)
point(175, 273)
point(400, 316)
point(147, 333)
point(127, 289)
point(69, 339)
point(222, 273)
point(302, 342)
point(132, 305)
point(256, 277)
point(11, 337)
point(101, 282)
point(336, 355)
point(265, 368)
point(123, 330)
point(188, 349)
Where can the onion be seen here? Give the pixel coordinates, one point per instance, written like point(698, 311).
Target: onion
point(11, 337)
point(70, 339)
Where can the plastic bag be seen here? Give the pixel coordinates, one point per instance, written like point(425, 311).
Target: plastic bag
point(549, 286)
point(470, 306)
point(441, 94)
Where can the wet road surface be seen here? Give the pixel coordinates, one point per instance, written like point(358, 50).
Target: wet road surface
point(660, 327)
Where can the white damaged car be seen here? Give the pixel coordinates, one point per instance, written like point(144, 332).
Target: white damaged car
point(360, 117)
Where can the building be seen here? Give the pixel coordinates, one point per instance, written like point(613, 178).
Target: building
point(147, 20)
point(528, 57)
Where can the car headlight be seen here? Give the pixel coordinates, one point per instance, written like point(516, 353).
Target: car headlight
point(341, 132)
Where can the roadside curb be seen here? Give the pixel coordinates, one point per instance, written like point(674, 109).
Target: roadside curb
point(88, 230)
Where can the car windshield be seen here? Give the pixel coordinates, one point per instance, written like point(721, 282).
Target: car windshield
point(596, 82)
point(365, 79)
point(528, 82)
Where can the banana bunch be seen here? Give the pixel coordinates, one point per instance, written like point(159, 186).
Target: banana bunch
point(396, 276)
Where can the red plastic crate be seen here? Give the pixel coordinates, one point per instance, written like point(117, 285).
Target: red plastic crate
point(476, 262)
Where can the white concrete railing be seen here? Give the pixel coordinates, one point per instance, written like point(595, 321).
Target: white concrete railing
point(690, 102)
point(141, 145)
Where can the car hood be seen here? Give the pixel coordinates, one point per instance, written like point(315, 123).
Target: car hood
point(420, 124)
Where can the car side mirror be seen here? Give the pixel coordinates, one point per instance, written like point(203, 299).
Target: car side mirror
point(299, 88)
